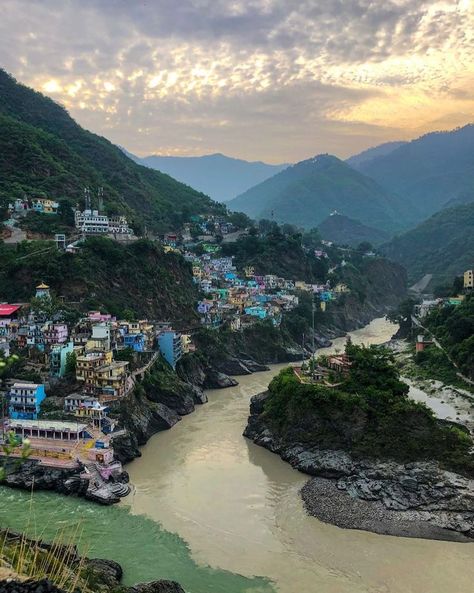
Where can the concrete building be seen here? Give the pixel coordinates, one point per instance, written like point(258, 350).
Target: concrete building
point(469, 279)
point(58, 358)
point(49, 429)
point(25, 401)
point(170, 345)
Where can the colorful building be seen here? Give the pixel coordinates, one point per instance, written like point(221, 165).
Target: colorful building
point(58, 358)
point(469, 279)
point(135, 341)
point(25, 401)
point(170, 345)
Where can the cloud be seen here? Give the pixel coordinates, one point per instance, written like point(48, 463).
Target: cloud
point(269, 79)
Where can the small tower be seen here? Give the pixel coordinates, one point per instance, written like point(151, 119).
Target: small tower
point(42, 291)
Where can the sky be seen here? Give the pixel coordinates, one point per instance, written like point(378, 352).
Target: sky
point(271, 80)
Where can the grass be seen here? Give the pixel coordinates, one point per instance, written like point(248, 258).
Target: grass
point(431, 364)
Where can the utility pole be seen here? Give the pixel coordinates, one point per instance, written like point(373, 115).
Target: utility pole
point(313, 310)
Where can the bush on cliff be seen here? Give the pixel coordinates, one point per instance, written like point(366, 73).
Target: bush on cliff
point(369, 414)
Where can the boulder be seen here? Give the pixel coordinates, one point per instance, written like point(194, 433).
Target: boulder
point(156, 587)
point(217, 380)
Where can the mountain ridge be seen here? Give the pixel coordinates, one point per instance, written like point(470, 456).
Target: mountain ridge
point(306, 193)
point(427, 173)
point(217, 175)
point(44, 152)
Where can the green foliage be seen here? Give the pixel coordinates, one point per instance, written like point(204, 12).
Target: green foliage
point(44, 153)
point(9, 446)
point(368, 415)
point(442, 245)
point(306, 194)
point(347, 231)
point(71, 361)
point(453, 326)
point(104, 275)
point(432, 363)
point(276, 253)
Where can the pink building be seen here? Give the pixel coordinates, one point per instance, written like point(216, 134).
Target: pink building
point(55, 333)
point(97, 316)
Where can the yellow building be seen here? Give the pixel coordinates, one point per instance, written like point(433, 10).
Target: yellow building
point(186, 343)
point(111, 379)
point(469, 279)
point(87, 364)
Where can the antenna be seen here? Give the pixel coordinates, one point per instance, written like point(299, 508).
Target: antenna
point(87, 198)
point(100, 199)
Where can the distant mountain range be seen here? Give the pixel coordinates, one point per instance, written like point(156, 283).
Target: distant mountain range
point(347, 231)
point(371, 153)
point(218, 176)
point(426, 174)
point(44, 152)
point(443, 245)
point(305, 194)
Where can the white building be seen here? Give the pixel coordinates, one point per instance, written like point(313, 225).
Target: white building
point(90, 222)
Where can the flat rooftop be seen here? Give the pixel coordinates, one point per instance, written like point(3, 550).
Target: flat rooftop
point(48, 425)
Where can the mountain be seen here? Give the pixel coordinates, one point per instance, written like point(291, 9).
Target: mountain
point(217, 175)
point(371, 153)
point(347, 231)
point(306, 193)
point(443, 245)
point(44, 152)
point(428, 173)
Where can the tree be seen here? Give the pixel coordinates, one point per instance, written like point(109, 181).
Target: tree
point(71, 362)
point(65, 213)
point(240, 220)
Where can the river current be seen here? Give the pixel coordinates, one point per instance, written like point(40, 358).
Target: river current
point(219, 514)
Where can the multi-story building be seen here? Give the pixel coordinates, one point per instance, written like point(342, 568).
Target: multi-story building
point(87, 363)
point(110, 380)
point(87, 408)
point(135, 341)
point(58, 358)
point(25, 401)
point(55, 333)
point(101, 338)
point(90, 222)
point(170, 345)
point(469, 279)
point(45, 206)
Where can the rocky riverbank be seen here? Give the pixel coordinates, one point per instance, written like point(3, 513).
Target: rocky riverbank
point(32, 475)
point(414, 500)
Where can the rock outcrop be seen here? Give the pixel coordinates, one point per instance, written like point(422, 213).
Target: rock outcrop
point(416, 499)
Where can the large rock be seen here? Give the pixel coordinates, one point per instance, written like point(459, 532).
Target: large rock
point(156, 587)
point(217, 380)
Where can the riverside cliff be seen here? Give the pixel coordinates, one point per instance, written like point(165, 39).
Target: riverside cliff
point(381, 461)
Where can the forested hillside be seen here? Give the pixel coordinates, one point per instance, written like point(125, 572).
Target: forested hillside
point(443, 245)
point(347, 231)
point(44, 152)
point(306, 193)
point(428, 173)
point(104, 275)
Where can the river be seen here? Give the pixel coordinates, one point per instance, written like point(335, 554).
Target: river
point(219, 514)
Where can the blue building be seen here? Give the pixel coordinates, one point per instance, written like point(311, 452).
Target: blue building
point(135, 341)
point(25, 401)
point(58, 358)
point(171, 347)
